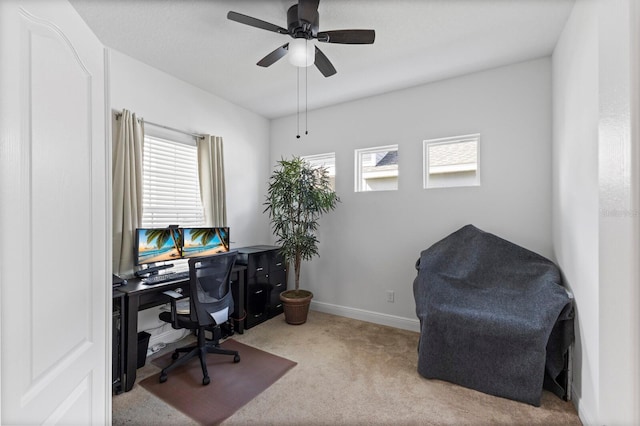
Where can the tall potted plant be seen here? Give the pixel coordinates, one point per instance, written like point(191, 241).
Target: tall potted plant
point(298, 195)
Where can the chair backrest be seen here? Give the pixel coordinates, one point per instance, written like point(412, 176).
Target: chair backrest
point(211, 300)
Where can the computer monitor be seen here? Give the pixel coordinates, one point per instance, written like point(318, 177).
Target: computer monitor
point(204, 241)
point(157, 245)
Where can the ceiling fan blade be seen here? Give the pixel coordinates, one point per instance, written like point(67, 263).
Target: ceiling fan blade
point(274, 56)
point(308, 10)
point(347, 36)
point(323, 64)
point(254, 22)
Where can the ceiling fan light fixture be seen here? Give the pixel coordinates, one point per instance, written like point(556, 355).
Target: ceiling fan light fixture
point(301, 52)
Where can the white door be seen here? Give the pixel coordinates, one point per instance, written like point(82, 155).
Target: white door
point(54, 254)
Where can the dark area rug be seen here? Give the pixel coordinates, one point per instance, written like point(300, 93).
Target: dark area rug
point(232, 385)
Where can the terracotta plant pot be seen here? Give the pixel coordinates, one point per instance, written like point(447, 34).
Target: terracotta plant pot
point(296, 305)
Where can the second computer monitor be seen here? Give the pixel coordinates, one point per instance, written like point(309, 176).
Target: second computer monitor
point(204, 241)
point(157, 245)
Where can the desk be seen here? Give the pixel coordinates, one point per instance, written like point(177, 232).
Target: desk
point(118, 353)
point(141, 296)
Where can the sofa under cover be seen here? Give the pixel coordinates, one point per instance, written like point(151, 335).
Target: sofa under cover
point(493, 316)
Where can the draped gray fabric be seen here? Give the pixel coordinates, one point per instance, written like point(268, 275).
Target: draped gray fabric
point(488, 312)
point(212, 184)
point(127, 189)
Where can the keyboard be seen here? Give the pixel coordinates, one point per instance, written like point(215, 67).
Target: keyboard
point(163, 278)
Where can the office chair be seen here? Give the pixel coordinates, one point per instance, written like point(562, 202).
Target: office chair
point(210, 305)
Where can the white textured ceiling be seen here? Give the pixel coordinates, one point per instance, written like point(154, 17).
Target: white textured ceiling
point(417, 41)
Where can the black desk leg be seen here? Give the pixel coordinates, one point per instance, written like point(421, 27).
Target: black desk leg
point(131, 359)
point(239, 302)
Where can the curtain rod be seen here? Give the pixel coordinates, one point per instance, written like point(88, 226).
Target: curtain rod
point(195, 135)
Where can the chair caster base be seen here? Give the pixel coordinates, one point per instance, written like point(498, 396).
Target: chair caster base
point(206, 380)
point(236, 359)
point(163, 377)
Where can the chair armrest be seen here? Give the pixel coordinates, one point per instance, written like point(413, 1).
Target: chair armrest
point(175, 297)
point(173, 294)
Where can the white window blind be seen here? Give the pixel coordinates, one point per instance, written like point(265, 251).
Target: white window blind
point(171, 191)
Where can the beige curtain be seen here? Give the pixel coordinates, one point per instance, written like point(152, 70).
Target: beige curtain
point(127, 190)
point(211, 176)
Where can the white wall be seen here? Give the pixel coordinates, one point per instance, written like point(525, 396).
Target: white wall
point(163, 99)
point(575, 189)
point(618, 168)
point(595, 199)
point(370, 243)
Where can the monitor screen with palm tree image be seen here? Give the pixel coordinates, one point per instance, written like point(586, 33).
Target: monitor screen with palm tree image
point(205, 241)
point(157, 245)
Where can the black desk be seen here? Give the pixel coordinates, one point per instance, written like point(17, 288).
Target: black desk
point(118, 353)
point(141, 296)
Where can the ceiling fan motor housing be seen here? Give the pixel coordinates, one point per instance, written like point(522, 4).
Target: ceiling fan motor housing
point(302, 24)
point(301, 28)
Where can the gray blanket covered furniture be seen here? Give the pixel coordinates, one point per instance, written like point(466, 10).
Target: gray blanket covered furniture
point(494, 316)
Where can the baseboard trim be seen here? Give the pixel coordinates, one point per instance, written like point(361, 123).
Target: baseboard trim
point(369, 316)
point(585, 415)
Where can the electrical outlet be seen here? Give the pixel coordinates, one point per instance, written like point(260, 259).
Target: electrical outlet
point(390, 296)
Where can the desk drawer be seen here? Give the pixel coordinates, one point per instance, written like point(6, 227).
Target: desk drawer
point(261, 262)
point(257, 299)
point(278, 281)
point(258, 264)
point(156, 298)
point(275, 305)
point(276, 262)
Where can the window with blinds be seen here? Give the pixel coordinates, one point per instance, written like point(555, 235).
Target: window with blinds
point(171, 191)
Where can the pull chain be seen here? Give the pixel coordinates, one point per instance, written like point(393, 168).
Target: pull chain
point(306, 97)
point(298, 100)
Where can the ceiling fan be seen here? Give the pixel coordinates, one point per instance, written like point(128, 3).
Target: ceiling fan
point(302, 26)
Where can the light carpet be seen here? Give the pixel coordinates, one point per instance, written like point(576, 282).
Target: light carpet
point(350, 372)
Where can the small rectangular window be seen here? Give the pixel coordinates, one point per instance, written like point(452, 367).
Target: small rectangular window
point(328, 161)
point(376, 169)
point(451, 162)
point(170, 185)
